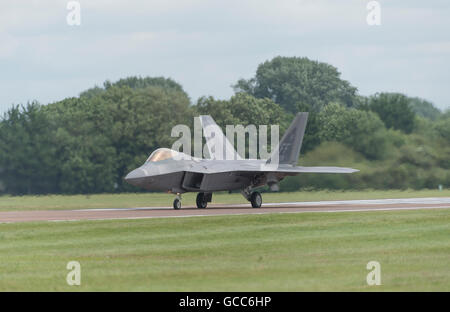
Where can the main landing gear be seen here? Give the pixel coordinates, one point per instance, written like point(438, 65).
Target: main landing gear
point(203, 199)
point(254, 198)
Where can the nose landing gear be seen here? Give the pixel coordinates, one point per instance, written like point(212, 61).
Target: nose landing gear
point(177, 202)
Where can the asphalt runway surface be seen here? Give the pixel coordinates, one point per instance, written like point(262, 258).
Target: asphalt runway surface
point(219, 210)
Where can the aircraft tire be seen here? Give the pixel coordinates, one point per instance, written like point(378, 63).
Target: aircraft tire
point(256, 200)
point(176, 204)
point(200, 201)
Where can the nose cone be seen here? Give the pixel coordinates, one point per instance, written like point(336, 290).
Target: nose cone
point(139, 177)
point(133, 175)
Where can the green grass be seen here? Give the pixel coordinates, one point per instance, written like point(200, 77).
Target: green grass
point(57, 202)
point(274, 252)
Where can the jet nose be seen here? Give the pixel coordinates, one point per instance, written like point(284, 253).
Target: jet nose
point(135, 174)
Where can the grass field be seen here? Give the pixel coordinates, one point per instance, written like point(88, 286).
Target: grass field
point(53, 202)
point(275, 252)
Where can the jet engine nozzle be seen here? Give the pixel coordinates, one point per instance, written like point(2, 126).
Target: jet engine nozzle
point(272, 182)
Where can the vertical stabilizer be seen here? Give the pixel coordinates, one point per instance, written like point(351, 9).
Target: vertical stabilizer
point(226, 150)
point(289, 147)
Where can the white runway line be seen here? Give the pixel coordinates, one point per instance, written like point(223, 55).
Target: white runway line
point(254, 213)
point(124, 209)
point(429, 200)
point(424, 201)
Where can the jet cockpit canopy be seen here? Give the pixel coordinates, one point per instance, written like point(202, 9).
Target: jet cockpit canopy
point(161, 154)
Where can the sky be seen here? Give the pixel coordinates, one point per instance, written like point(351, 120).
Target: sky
point(208, 45)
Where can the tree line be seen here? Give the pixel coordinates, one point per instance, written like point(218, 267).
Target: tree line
point(87, 144)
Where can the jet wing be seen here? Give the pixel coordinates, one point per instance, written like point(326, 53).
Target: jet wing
point(316, 170)
point(218, 145)
point(209, 167)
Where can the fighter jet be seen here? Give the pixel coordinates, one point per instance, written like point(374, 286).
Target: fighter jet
point(173, 172)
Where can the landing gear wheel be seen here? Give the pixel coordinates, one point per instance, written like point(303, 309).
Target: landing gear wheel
point(177, 204)
point(201, 200)
point(256, 200)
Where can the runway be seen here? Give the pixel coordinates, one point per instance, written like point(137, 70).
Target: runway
point(220, 210)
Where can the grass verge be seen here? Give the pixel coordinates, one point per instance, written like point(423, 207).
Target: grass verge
point(275, 252)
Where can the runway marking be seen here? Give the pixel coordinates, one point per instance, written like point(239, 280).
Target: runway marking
point(426, 200)
point(252, 213)
point(389, 201)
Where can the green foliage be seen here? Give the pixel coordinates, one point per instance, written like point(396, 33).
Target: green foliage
point(424, 108)
point(311, 139)
point(394, 110)
point(24, 131)
point(414, 162)
point(298, 84)
point(328, 154)
point(139, 121)
point(442, 128)
point(142, 83)
point(361, 130)
point(87, 144)
point(242, 109)
point(425, 127)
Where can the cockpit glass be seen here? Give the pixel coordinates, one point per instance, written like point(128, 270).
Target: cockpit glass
point(161, 154)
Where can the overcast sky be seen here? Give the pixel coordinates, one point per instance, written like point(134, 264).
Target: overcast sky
point(208, 45)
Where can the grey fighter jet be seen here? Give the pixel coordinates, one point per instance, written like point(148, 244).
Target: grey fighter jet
point(166, 171)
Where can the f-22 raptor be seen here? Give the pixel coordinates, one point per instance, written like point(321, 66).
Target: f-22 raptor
point(166, 171)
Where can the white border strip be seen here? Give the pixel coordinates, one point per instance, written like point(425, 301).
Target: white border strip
point(248, 213)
